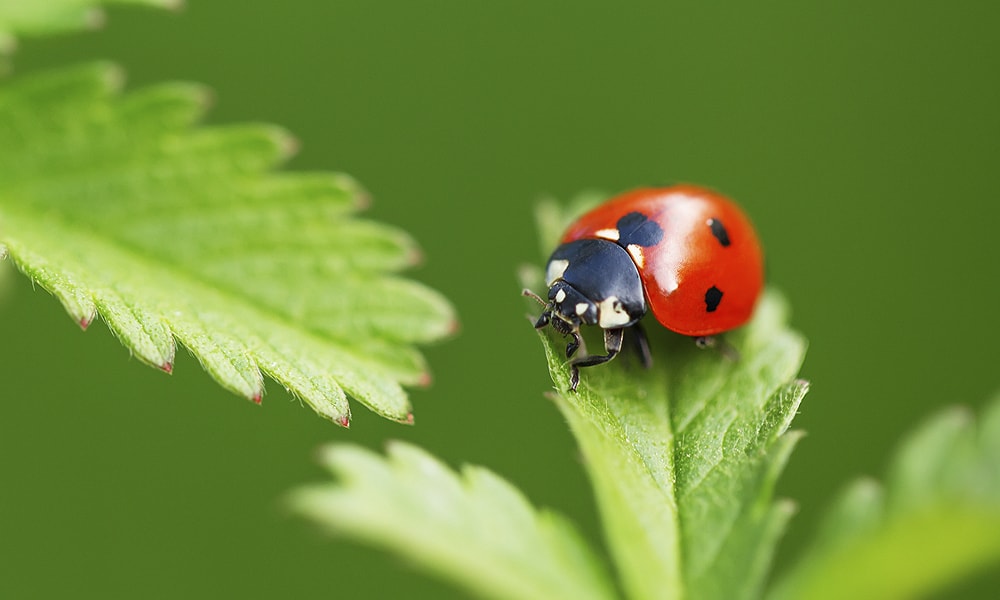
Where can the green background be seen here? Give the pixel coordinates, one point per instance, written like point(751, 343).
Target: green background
point(862, 137)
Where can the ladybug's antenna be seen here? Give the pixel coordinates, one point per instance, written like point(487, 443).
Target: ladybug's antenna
point(531, 294)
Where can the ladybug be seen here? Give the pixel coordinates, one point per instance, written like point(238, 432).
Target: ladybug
point(685, 253)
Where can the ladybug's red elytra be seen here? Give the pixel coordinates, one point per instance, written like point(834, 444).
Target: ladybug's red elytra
point(687, 254)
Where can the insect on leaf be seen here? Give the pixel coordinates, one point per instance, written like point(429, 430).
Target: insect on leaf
point(683, 457)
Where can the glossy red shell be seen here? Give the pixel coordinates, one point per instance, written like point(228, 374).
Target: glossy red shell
point(690, 259)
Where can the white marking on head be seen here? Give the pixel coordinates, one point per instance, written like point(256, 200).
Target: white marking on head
point(560, 295)
point(608, 234)
point(555, 270)
point(581, 308)
point(612, 313)
point(636, 251)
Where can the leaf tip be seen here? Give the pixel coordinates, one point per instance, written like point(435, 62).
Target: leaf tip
point(425, 379)
point(167, 367)
point(94, 18)
point(344, 421)
point(202, 95)
point(85, 322)
point(7, 45)
point(414, 257)
point(360, 196)
point(288, 145)
point(257, 398)
point(112, 76)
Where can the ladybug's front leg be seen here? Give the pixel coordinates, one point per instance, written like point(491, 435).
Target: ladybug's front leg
point(612, 345)
point(574, 344)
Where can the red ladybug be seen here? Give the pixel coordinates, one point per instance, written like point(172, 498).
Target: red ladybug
point(686, 253)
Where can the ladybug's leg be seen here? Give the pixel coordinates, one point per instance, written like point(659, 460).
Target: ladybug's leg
point(641, 344)
point(705, 341)
point(574, 344)
point(725, 349)
point(612, 345)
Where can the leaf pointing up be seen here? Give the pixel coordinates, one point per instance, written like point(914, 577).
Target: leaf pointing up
point(120, 208)
point(684, 456)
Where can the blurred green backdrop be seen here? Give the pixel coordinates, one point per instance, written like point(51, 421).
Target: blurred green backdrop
point(863, 138)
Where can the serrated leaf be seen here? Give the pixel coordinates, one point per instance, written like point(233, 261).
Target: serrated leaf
point(121, 208)
point(38, 17)
point(683, 457)
point(472, 528)
point(936, 519)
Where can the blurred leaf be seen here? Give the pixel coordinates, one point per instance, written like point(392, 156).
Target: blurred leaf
point(119, 207)
point(936, 520)
point(684, 456)
point(473, 528)
point(38, 17)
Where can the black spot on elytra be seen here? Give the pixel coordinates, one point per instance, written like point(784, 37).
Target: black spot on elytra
point(712, 298)
point(637, 228)
point(719, 231)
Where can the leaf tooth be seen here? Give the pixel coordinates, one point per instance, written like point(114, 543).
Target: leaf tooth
point(402, 362)
point(392, 309)
point(90, 81)
point(301, 376)
point(361, 198)
point(139, 329)
point(162, 108)
point(77, 301)
point(246, 149)
point(330, 195)
point(92, 17)
point(780, 410)
point(275, 241)
point(372, 387)
point(167, 4)
point(227, 360)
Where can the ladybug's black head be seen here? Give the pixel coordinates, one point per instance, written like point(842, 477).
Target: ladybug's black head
point(567, 309)
point(592, 282)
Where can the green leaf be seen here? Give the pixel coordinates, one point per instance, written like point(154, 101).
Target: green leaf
point(121, 208)
point(38, 17)
point(683, 457)
point(472, 528)
point(936, 520)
